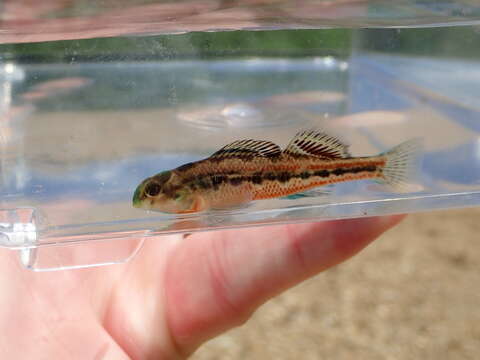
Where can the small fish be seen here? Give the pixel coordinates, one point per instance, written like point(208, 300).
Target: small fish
point(248, 170)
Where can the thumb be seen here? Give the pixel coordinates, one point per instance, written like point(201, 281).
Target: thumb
point(214, 281)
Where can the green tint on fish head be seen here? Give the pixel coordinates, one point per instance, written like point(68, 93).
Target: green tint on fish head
point(163, 192)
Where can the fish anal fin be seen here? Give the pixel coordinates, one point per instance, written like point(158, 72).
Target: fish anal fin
point(248, 147)
point(231, 207)
point(325, 191)
point(318, 144)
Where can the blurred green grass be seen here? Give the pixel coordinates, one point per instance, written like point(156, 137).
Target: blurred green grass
point(460, 41)
point(191, 45)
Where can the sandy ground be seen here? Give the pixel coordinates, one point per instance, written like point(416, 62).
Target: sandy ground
point(411, 295)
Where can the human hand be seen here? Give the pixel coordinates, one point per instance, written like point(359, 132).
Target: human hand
point(176, 294)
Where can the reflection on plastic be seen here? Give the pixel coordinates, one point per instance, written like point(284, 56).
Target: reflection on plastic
point(78, 256)
point(55, 87)
point(220, 116)
point(17, 228)
point(48, 20)
point(76, 158)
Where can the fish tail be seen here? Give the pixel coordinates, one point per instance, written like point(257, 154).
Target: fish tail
point(401, 164)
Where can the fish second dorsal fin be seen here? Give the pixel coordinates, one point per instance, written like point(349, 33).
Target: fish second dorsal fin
point(317, 143)
point(248, 147)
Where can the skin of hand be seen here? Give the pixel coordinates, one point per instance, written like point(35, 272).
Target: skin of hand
point(173, 296)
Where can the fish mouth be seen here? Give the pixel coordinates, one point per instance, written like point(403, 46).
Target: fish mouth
point(136, 202)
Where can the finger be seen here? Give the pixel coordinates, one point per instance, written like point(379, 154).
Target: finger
point(214, 281)
point(52, 313)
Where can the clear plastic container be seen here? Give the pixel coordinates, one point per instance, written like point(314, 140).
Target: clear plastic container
point(83, 122)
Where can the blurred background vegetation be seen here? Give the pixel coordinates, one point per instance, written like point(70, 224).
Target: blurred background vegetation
point(448, 41)
point(117, 86)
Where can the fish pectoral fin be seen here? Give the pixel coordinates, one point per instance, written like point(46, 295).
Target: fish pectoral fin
point(317, 143)
point(198, 204)
point(308, 193)
point(248, 147)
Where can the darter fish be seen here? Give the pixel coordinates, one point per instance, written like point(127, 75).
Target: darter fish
point(248, 170)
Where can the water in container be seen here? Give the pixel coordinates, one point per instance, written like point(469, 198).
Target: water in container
point(323, 110)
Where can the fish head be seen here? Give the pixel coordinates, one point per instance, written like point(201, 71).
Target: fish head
point(165, 192)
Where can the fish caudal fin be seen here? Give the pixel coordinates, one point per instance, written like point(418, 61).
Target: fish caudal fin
point(402, 164)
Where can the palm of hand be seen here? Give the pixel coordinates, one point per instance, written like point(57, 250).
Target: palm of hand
point(176, 294)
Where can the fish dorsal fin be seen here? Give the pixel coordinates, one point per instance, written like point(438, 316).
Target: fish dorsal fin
point(248, 147)
point(317, 143)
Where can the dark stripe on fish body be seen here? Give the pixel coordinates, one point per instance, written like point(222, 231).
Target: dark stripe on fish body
point(270, 176)
point(257, 178)
point(340, 171)
point(305, 175)
point(322, 173)
point(237, 180)
point(370, 168)
point(354, 170)
point(284, 176)
point(214, 181)
point(203, 184)
point(217, 180)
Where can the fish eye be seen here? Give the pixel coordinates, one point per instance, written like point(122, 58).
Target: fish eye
point(152, 189)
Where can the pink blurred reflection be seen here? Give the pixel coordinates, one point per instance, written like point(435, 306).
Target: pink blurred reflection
point(33, 21)
point(55, 87)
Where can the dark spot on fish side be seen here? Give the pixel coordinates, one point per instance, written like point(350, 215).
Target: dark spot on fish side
point(305, 175)
point(322, 173)
point(284, 176)
point(217, 180)
point(340, 171)
point(270, 176)
point(237, 180)
point(257, 179)
point(366, 169)
point(203, 184)
point(354, 170)
point(371, 168)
